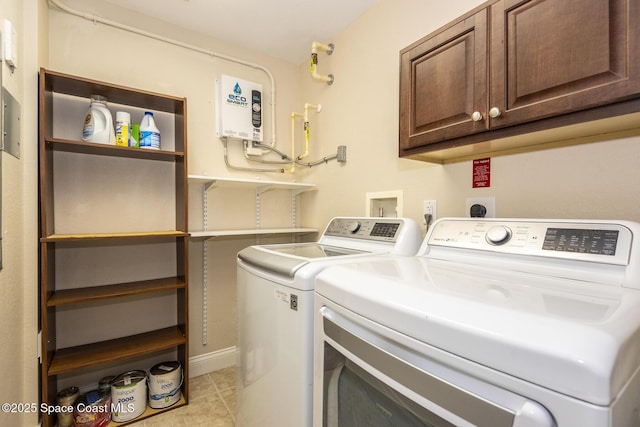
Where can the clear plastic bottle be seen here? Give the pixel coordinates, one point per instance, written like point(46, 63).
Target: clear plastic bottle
point(98, 123)
point(149, 133)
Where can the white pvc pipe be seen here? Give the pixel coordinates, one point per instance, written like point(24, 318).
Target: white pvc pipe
point(316, 46)
point(94, 19)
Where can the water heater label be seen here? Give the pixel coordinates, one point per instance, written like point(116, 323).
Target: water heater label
point(237, 112)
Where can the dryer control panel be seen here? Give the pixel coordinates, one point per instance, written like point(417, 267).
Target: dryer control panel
point(606, 242)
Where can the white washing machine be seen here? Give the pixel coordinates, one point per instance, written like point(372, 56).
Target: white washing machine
point(494, 323)
point(275, 313)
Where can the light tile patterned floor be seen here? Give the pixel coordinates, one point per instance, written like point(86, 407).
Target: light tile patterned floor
point(212, 403)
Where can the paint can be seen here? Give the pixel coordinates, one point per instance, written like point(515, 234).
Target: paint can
point(104, 385)
point(67, 398)
point(128, 395)
point(92, 410)
point(165, 380)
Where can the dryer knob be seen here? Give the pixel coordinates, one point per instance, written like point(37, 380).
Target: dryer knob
point(354, 226)
point(498, 235)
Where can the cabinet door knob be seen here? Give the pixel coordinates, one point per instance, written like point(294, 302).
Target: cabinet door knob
point(494, 112)
point(476, 116)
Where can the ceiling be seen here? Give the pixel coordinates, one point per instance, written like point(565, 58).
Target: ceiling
point(283, 29)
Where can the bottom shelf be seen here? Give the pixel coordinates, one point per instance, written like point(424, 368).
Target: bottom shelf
point(73, 358)
point(150, 412)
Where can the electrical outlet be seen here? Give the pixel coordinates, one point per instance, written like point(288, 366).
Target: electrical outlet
point(429, 208)
point(488, 203)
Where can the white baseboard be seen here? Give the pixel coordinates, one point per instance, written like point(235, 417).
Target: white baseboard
point(209, 362)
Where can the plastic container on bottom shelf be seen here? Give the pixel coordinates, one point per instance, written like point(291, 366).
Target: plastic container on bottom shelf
point(92, 410)
point(149, 133)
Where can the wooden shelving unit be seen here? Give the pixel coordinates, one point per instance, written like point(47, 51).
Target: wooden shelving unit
point(56, 294)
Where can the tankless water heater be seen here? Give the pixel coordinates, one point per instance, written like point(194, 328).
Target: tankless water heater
point(239, 109)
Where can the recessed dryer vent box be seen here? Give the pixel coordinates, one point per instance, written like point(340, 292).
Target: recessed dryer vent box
point(384, 204)
point(239, 109)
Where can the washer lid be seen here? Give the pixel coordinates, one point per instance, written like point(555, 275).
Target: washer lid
point(287, 259)
point(576, 338)
point(312, 250)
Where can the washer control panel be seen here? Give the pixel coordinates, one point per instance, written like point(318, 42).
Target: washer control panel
point(381, 229)
point(605, 242)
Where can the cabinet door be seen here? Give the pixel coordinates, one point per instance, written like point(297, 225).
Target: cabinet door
point(443, 81)
point(550, 57)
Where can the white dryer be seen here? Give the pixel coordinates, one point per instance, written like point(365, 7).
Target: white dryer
point(494, 323)
point(275, 313)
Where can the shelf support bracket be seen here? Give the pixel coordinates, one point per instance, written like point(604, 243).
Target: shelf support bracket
point(263, 188)
point(258, 192)
point(207, 186)
point(294, 195)
point(205, 258)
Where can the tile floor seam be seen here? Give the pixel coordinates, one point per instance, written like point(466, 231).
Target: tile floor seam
point(224, 401)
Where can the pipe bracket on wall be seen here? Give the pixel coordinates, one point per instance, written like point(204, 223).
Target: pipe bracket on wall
point(315, 48)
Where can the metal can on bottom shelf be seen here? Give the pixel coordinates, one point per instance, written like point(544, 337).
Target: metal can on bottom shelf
point(165, 380)
point(129, 395)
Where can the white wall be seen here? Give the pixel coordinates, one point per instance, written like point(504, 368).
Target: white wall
point(597, 180)
point(19, 275)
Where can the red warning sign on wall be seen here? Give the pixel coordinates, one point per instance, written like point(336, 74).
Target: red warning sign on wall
point(482, 173)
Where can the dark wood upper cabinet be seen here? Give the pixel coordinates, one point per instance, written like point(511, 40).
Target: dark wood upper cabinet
point(511, 67)
point(443, 81)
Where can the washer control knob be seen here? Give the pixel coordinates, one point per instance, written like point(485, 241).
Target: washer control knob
point(353, 226)
point(498, 235)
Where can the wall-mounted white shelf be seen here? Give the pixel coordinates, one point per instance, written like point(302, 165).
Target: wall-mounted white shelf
point(249, 232)
point(260, 186)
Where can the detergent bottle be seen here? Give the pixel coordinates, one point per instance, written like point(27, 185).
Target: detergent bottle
point(149, 133)
point(98, 124)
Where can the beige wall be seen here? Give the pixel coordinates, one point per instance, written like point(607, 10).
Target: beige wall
point(18, 277)
point(93, 50)
point(598, 180)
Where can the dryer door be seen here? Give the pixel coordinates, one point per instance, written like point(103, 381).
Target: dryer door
point(370, 377)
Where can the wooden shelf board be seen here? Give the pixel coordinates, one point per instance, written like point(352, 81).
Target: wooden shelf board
point(84, 88)
point(149, 412)
point(106, 236)
point(249, 232)
point(94, 293)
point(73, 358)
point(111, 150)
